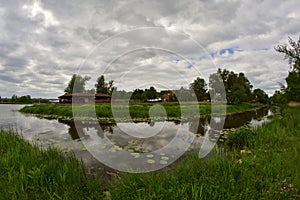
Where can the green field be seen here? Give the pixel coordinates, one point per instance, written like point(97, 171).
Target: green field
point(138, 111)
point(260, 163)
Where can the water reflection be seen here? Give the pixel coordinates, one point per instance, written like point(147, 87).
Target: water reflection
point(254, 117)
point(64, 135)
point(202, 127)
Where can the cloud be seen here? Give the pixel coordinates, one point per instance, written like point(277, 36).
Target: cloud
point(44, 42)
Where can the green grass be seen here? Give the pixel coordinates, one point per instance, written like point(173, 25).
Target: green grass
point(27, 172)
point(137, 110)
point(264, 165)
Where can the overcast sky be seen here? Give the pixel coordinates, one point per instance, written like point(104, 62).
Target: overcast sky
point(141, 43)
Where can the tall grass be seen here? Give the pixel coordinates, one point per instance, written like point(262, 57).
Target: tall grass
point(28, 172)
point(264, 165)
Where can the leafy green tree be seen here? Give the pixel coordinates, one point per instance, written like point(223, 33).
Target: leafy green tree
point(103, 87)
point(200, 88)
point(279, 97)
point(24, 99)
point(293, 86)
point(137, 94)
point(150, 93)
point(237, 86)
point(77, 84)
point(292, 53)
point(260, 96)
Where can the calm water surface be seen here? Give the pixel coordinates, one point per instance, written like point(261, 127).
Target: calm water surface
point(64, 135)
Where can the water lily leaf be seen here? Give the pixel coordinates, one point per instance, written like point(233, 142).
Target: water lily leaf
point(150, 156)
point(135, 155)
point(165, 158)
point(150, 161)
point(163, 162)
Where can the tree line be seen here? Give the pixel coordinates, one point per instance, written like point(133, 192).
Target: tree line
point(26, 99)
point(236, 87)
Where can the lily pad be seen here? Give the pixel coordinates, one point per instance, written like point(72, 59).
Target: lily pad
point(150, 156)
point(163, 162)
point(135, 155)
point(150, 161)
point(165, 158)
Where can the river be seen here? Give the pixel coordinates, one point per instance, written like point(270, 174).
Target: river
point(67, 136)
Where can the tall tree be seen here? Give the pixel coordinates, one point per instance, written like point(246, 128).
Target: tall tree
point(77, 84)
point(292, 53)
point(200, 88)
point(103, 87)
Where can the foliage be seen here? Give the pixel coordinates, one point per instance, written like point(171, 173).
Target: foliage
point(279, 97)
point(292, 53)
point(237, 86)
point(77, 84)
point(137, 94)
point(293, 86)
point(200, 88)
point(150, 93)
point(144, 95)
point(260, 96)
point(103, 87)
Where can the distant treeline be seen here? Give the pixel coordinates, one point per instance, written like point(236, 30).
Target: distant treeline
point(223, 85)
point(23, 100)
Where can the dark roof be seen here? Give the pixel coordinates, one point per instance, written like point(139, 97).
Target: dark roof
point(84, 95)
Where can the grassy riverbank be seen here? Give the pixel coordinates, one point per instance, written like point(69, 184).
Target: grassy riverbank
point(27, 172)
point(263, 164)
point(137, 111)
point(260, 163)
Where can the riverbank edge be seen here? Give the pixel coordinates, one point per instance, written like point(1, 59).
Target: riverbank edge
point(265, 167)
point(112, 120)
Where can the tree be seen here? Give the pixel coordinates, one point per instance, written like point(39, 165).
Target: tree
point(200, 88)
point(137, 94)
point(260, 96)
point(77, 84)
point(292, 53)
point(150, 93)
point(103, 87)
point(279, 97)
point(236, 86)
point(14, 98)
